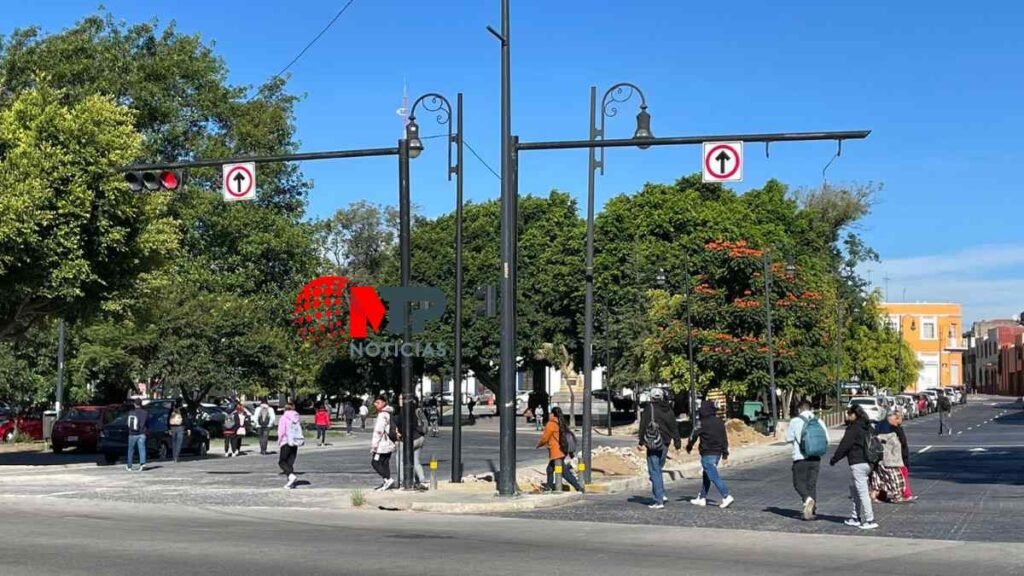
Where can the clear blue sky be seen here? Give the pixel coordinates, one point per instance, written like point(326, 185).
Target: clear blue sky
point(939, 82)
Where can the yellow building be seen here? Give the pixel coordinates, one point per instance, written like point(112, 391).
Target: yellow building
point(933, 332)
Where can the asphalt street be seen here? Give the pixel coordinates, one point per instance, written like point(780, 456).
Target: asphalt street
point(48, 537)
point(970, 484)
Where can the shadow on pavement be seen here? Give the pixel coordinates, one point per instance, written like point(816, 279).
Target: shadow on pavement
point(46, 458)
point(797, 515)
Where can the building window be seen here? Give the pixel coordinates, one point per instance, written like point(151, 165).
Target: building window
point(928, 329)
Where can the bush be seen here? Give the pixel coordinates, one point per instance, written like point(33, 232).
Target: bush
point(21, 437)
point(358, 498)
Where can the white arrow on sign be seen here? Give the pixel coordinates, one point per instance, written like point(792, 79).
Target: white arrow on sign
point(239, 182)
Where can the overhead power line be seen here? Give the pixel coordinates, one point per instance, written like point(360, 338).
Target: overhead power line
point(315, 38)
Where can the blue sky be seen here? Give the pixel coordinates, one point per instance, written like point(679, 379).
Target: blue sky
point(940, 83)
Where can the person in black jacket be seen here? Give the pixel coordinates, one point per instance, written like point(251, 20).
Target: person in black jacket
point(714, 448)
point(660, 411)
point(853, 448)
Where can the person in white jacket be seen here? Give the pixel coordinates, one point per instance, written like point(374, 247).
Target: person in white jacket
point(263, 419)
point(382, 445)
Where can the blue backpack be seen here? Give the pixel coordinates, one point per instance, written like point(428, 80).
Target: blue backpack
point(813, 438)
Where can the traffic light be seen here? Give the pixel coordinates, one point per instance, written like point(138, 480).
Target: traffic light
point(487, 305)
point(153, 180)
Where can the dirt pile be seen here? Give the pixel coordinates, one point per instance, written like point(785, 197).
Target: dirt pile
point(618, 461)
point(742, 435)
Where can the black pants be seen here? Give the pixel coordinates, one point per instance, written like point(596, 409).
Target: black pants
point(263, 439)
point(236, 443)
point(382, 465)
point(567, 474)
point(287, 458)
point(805, 477)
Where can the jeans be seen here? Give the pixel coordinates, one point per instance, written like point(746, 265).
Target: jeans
point(137, 440)
point(710, 465)
point(655, 464)
point(382, 465)
point(286, 460)
point(264, 432)
point(362, 422)
point(566, 474)
point(417, 447)
point(177, 437)
point(348, 425)
point(859, 475)
point(805, 477)
point(321, 434)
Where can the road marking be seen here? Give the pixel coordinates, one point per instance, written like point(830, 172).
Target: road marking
point(960, 432)
point(923, 450)
point(972, 427)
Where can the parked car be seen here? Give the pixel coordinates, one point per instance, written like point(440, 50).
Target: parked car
point(953, 393)
point(29, 422)
point(80, 427)
point(933, 399)
point(908, 404)
point(872, 406)
point(6, 430)
point(113, 443)
point(619, 402)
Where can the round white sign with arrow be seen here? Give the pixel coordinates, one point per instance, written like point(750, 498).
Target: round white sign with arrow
point(723, 162)
point(239, 182)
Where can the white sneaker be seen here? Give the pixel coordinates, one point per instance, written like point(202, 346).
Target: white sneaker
point(379, 488)
point(699, 501)
point(664, 498)
point(227, 454)
point(868, 526)
point(388, 484)
point(657, 506)
point(727, 502)
point(852, 522)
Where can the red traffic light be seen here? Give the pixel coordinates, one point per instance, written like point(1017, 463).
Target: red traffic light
point(169, 180)
point(153, 181)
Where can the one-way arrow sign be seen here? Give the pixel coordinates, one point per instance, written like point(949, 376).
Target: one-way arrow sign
point(722, 162)
point(239, 182)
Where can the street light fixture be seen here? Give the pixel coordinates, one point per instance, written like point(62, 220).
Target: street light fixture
point(433, 102)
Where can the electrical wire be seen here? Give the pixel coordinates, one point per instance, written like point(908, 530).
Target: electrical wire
point(315, 38)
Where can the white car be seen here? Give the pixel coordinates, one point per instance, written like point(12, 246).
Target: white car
point(872, 407)
point(909, 406)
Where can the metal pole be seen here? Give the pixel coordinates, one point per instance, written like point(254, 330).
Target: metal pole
point(689, 342)
point(771, 353)
point(507, 366)
point(405, 240)
point(839, 355)
point(59, 404)
point(588, 298)
point(457, 381)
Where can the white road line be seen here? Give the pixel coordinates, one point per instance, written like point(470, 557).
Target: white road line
point(960, 432)
point(971, 427)
point(923, 450)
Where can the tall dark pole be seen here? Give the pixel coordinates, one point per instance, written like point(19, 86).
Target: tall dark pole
point(689, 341)
point(59, 405)
point(457, 384)
point(839, 354)
point(507, 366)
point(405, 240)
point(771, 352)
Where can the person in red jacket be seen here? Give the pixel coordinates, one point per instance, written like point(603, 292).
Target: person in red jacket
point(323, 423)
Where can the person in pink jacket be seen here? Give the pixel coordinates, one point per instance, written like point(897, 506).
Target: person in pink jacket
point(382, 444)
point(289, 438)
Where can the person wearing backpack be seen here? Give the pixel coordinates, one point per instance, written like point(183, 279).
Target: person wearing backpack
point(137, 421)
point(554, 439)
point(887, 481)
point(289, 439)
point(264, 418)
point(657, 427)
point(854, 448)
point(418, 438)
point(382, 443)
point(714, 448)
point(809, 437)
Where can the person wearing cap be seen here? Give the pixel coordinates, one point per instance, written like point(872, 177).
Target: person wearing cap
point(658, 411)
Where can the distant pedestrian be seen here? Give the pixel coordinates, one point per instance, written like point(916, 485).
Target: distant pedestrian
point(264, 418)
point(138, 425)
point(176, 422)
point(854, 448)
point(714, 448)
point(471, 404)
point(241, 418)
point(382, 444)
point(348, 412)
point(289, 439)
point(888, 481)
point(657, 427)
point(555, 439)
point(418, 439)
point(538, 417)
point(363, 413)
point(809, 437)
point(322, 420)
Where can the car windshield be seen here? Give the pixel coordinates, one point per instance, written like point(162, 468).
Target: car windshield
point(863, 402)
point(82, 415)
point(157, 418)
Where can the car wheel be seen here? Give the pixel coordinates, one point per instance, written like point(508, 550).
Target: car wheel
point(107, 459)
point(9, 436)
point(162, 451)
point(204, 447)
point(57, 449)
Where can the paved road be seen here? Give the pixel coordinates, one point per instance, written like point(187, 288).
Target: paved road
point(79, 538)
point(969, 482)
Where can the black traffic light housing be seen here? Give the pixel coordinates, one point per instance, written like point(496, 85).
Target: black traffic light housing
point(488, 301)
point(153, 180)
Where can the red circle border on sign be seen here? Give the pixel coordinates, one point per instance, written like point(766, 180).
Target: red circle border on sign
point(227, 180)
point(711, 153)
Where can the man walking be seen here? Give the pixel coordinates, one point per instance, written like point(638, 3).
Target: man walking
point(382, 444)
point(264, 418)
point(418, 438)
point(137, 426)
point(809, 437)
point(853, 447)
point(714, 448)
point(363, 413)
point(349, 413)
point(657, 427)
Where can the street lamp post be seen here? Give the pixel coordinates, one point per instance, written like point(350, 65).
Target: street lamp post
point(618, 93)
point(433, 102)
point(404, 242)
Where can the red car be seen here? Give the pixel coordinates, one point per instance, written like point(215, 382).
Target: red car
point(30, 423)
point(80, 427)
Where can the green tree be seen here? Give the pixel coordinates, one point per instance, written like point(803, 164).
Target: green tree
point(874, 352)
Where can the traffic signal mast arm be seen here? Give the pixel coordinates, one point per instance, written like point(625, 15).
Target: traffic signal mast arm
point(366, 152)
point(692, 140)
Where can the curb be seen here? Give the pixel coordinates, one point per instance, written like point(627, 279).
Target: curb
point(520, 503)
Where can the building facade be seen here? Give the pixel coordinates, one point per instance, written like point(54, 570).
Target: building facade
point(933, 332)
point(996, 347)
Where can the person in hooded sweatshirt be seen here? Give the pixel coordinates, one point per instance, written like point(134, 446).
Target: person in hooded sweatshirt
point(382, 445)
point(853, 447)
point(660, 411)
point(714, 448)
point(288, 447)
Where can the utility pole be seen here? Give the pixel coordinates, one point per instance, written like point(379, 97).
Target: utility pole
point(59, 404)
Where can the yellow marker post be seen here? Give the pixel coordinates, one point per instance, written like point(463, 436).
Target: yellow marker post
point(558, 477)
point(433, 473)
